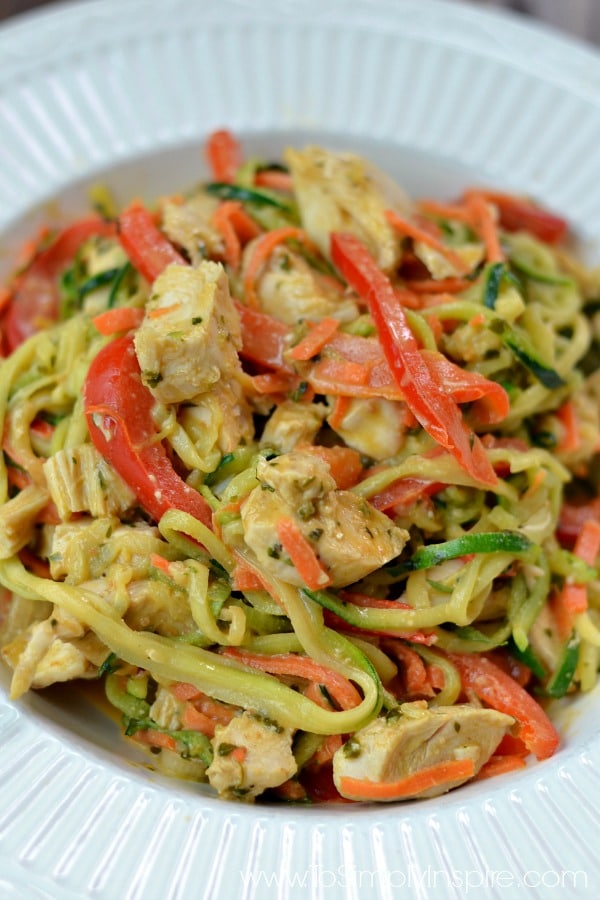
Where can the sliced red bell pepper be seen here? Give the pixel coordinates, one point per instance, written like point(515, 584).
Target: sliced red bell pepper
point(520, 214)
point(435, 410)
point(144, 243)
point(499, 690)
point(118, 408)
point(35, 297)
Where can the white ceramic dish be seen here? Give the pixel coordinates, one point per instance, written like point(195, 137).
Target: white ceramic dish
point(441, 95)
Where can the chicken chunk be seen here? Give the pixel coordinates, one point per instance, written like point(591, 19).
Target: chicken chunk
point(18, 517)
point(80, 480)
point(339, 192)
point(189, 225)
point(350, 536)
point(373, 426)
point(291, 424)
point(392, 748)
point(251, 754)
point(191, 333)
point(50, 651)
point(290, 290)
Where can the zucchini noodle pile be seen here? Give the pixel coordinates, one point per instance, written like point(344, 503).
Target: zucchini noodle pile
point(305, 471)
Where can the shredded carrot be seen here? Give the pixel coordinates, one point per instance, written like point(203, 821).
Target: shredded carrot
point(341, 373)
point(182, 690)
point(122, 318)
point(485, 225)
point(414, 672)
point(445, 210)
point(478, 321)
point(571, 438)
point(302, 554)
point(345, 465)
point(341, 690)
point(155, 739)
point(341, 407)
point(196, 720)
point(159, 562)
point(315, 340)
point(274, 382)
point(439, 775)
point(498, 765)
point(263, 248)
point(572, 599)
point(163, 310)
point(587, 543)
point(5, 298)
point(245, 578)
point(274, 180)
point(236, 228)
point(438, 285)
point(421, 233)
point(223, 154)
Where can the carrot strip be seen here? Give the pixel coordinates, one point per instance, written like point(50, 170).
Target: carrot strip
point(441, 774)
point(315, 340)
point(499, 765)
point(196, 720)
point(341, 406)
point(162, 311)
point(439, 285)
point(341, 690)
point(236, 228)
point(484, 223)
point(274, 180)
point(155, 739)
point(567, 416)
point(414, 671)
point(263, 248)
point(445, 210)
point(123, 318)
point(159, 562)
point(420, 233)
point(303, 556)
point(345, 465)
point(224, 155)
point(572, 599)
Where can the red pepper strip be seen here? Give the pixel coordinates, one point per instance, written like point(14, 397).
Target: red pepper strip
point(264, 338)
point(520, 214)
point(496, 688)
point(405, 493)
point(224, 154)
point(330, 375)
point(433, 408)
point(491, 401)
point(34, 302)
point(146, 246)
point(118, 408)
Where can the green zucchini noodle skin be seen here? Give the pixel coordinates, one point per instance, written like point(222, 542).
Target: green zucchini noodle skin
point(227, 489)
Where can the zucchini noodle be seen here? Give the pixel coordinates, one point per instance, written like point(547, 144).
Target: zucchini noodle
point(315, 503)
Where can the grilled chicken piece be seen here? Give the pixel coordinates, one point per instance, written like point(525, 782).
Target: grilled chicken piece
point(80, 480)
point(251, 754)
point(349, 535)
point(390, 749)
point(18, 517)
point(340, 192)
point(373, 426)
point(189, 225)
point(190, 335)
point(290, 290)
point(291, 424)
